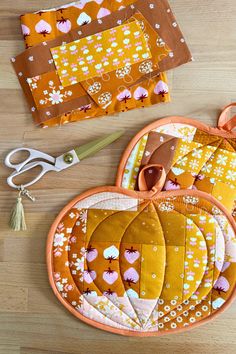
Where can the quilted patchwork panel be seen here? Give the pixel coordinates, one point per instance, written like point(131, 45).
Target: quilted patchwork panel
point(136, 265)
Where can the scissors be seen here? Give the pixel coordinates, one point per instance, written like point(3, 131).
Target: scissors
point(50, 163)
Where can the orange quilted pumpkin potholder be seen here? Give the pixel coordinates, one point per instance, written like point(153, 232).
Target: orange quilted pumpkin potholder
point(194, 155)
point(143, 263)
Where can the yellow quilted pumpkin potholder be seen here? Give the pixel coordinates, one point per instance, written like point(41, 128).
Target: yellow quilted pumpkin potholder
point(143, 263)
point(194, 155)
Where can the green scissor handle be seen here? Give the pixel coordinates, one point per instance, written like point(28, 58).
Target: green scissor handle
point(94, 146)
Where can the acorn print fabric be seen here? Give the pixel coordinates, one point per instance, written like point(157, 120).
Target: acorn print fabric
point(143, 263)
point(194, 156)
point(122, 88)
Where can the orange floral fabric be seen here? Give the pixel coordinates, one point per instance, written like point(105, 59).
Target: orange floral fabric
point(148, 93)
point(47, 90)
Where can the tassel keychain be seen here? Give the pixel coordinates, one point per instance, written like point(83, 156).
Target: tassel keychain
point(17, 218)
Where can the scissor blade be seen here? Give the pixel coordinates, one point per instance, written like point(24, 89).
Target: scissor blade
point(96, 145)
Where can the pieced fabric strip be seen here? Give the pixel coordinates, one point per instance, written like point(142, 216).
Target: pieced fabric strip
point(137, 84)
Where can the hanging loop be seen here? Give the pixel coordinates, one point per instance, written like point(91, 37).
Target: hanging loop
point(152, 177)
point(225, 122)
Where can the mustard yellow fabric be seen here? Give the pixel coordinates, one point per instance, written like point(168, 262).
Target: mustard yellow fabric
point(100, 53)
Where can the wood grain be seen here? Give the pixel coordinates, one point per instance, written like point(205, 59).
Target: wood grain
point(31, 319)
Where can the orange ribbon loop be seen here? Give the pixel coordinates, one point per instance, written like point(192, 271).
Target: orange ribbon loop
point(224, 122)
point(157, 181)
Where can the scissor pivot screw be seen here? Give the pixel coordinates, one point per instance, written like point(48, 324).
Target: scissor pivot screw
point(68, 158)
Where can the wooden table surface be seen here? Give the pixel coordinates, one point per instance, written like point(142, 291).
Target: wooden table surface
point(32, 321)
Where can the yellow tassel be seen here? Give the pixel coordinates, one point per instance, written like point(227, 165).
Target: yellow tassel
point(17, 219)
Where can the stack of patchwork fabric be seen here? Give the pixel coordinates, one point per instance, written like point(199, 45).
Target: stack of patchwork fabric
point(93, 58)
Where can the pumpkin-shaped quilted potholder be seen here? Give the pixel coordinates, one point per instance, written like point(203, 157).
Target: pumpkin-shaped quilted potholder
point(143, 263)
point(194, 155)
